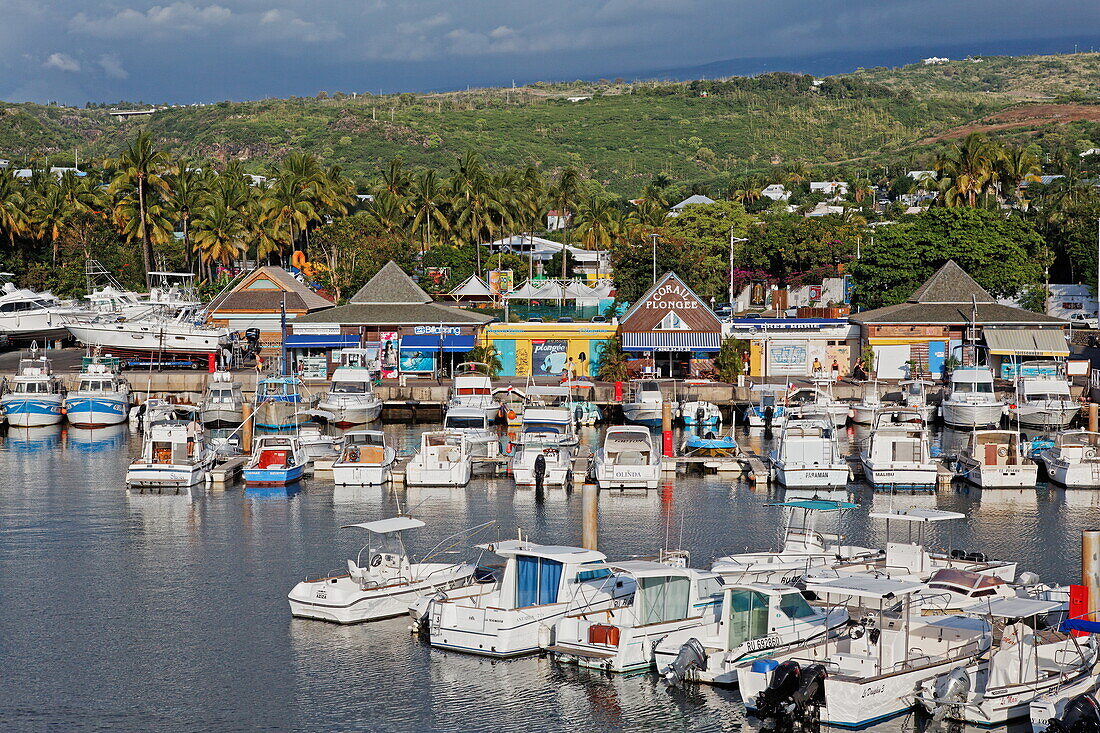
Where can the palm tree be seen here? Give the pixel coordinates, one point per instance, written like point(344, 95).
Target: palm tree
point(387, 212)
point(188, 193)
point(220, 232)
point(966, 170)
point(598, 222)
point(563, 196)
point(1013, 166)
point(426, 203)
point(49, 213)
point(287, 209)
point(138, 174)
point(798, 173)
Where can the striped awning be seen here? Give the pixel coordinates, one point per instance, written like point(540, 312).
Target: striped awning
point(672, 341)
point(1027, 341)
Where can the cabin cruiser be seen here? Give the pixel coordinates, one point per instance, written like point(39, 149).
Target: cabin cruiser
point(383, 584)
point(173, 454)
point(869, 671)
point(816, 402)
point(666, 600)
point(473, 388)
point(768, 410)
point(539, 585)
point(955, 590)
point(914, 394)
point(223, 401)
point(351, 400)
point(101, 398)
point(628, 459)
point(184, 337)
point(645, 406)
point(864, 411)
point(541, 459)
point(808, 456)
point(277, 460)
point(366, 460)
point(897, 456)
point(1044, 401)
point(27, 316)
point(1074, 460)
point(443, 460)
point(281, 403)
point(754, 621)
point(549, 410)
point(696, 413)
point(34, 396)
point(482, 439)
point(971, 402)
point(993, 459)
point(1026, 663)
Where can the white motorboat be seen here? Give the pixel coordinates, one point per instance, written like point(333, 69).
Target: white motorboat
point(222, 402)
point(182, 338)
point(1073, 707)
point(864, 411)
point(868, 672)
point(1074, 460)
point(34, 397)
point(700, 414)
point(386, 586)
point(282, 402)
point(541, 459)
point(351, 399)
point(366, 460)
point(667, 600)
point(628, 459)
point(955, 590)
point(549, 410)
point(812, 402)
point(1044, 401)
point(808, 456)
point(585, 411)
point(971, 402)
point(173, 455)
point(27, 316)
point(754, 621)
point(472, 387)
point(482, 439)
point(768, 411)
point(512, 617)
point(897, 455)
point(1026, 664)
point(443, 460)
point(994, 459)
point(645, 405)
point(319, 447)
point(277, 460)
point(154, 409)
point(914, 394)
point(101, 398)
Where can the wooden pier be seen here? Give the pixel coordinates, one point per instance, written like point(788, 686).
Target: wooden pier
point(225, 473)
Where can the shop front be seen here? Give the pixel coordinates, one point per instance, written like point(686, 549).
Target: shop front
point(671, 332)
point(789, 347)
point(545, 349)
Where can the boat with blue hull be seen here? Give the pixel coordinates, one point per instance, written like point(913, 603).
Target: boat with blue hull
point(102, 398)
point(33, 398)
point(277, 460)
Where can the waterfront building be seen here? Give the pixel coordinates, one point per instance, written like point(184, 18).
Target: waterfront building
point(257, 302)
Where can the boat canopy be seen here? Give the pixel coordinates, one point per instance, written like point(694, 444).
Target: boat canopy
point(561, 553)
point(387, 526)
point(617, 441)
point(918, 515)
point(650, 569)
point(1018, 607)
point(1080, 624)
point(816, 505)
point(866, 587)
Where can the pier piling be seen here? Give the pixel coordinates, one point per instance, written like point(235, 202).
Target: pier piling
point(1090, 566)
point(1093, 416)
point(246, 427)
point(590, 508)
point(666, 429)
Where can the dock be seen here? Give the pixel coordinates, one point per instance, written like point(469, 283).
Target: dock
point(226, 472)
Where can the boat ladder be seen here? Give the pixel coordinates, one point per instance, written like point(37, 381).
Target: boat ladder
point(435, 620)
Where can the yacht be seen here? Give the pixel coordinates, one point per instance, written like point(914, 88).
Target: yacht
point(897, 455)
point(472, 387)
point(277, 460)
point(365, 461)
point(646, 405)
point(628, 459)
point(817, 402)
point(914, 394)
point(541, 459)
point(101, 398)
point(27, 316)
point(382, 581)
point(808, 456)
point(971, 402)
point(222, 402)
point(1044, 401)
point(281, 403)
point(755, 620)
point(34, 396)
point(1074, 460)
point(768, 410)
point(666, 600)
point(539, 585)
point(351, 400)
point(696, 413)
point(443, 460)
point(173, 455)
point(482, 439)
point(994, 459)
point(184, 337)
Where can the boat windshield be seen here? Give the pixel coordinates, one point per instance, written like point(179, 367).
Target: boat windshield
point(95, 385)
point(349, 388)
point(221, 395)
point(32, 387)
point(465, 422)
point(795, 606)
point(542, 427)
point(972, 388)
point(366, 439)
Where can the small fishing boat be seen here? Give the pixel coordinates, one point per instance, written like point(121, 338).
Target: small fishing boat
point(472, 387)
point(281, 403)
point(174, 454)
point(696, 413)
point(549, 410)
point(101, 398)
point(277, 460)
point(351, 399)
point(1074, 460)
point(819, 402)
point(319, 447)
point(385, 586)
point(482, 439)
point(1043, 397)
point(768, 411)
point(34, 396)
point(541, 459)
point(366, 460)
point(585, 411)
point(222, 402)
point(443, 460)
point(808, 456)
point(897, 456)
point(628, 459)
point(914, 394)
point(994, 459)
point(864, 411)
point(971, 402)
point(645, 405)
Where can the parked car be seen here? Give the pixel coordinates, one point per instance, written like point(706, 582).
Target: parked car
point(597, 319)
point(1084, 320)
point(565, 319)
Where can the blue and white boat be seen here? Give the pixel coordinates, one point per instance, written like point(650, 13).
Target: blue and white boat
point(33, 397)
point(281, 403)
point(767, 409)
point(102, 398)
point(700, 414)
point(277, 460)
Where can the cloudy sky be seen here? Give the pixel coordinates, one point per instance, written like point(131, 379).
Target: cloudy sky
point(209, 50)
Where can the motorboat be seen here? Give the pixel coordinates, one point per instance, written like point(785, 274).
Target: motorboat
point(994, 459)
point(381, 582)
point(472, 387)
point(102, 397)
point(864, 411)
point(443, 460)
point(666, 600)
point(549, 410)
point(696, 413)
point(282, 402)
point(320, 447)
point(33, 397)
point(914, 394)
point(768, 411)
point(868, 672)
point(645, 405)
point(971, 402)
point(1072, 707)
point(482, 439)
point(897, 455)
point(754, 621)
point(1043, 397)
point(628, 459)
point(541, 459)
point(351, 399)
point(586, 412)
point(1074, 460)
point(955, 590)
point(812, 402)
point(1026, 663)
point(222, 402)
point(174, 454)
point(277, 460)
point(366, 460)
point(183, 337)
point(808, 456)
point(539, 585)
point(28, 316)
point(155, 409)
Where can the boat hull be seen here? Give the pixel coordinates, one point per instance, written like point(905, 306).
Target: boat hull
point(341, 600)
point(831, 477)
point(278, 415)
point(644, 414)
point(161, 475)
point(1074, 475)
point(149, 339)
point(970, 417)
point(272, 476)
point(98, 411)
point(890, 478)
point(999, 477)
point(32, 412)
point(456, 475)
point(348, 414)
point(345, 474)
point(222, 417)
point(1051, 417)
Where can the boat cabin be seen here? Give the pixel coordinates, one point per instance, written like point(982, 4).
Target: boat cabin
point(351, 381)
point(364, 446)
point(465, 418)
point(173, 442)
point(752, 612)
point(279, 389)
point(971, 380)
point(627, 446)
point(539, 575)
point(995, 447)
point(441, 448)
point(386, 558)
point(276, 451)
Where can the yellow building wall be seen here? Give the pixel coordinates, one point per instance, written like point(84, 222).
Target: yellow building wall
point(578, 337)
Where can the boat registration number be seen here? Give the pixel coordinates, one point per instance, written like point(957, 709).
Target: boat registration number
point(768, 642)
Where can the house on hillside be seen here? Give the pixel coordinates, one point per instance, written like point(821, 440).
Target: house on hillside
point(257, 301)
point(585, 263)
point(829, 188)
point(776, 192)
point(693, 200)
point(558, 220)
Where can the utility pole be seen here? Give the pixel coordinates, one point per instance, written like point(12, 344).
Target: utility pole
point(733, 241)
point(653, 238)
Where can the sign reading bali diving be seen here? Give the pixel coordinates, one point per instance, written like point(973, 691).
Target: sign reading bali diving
point(548, 358)
point(670, 305)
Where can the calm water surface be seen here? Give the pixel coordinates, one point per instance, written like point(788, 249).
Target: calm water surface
point(137, 612)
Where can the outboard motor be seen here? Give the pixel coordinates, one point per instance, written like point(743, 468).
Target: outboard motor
point(954, 691)
point(691, 656)
point(252, 336)
point(1082, 715)
point(810, 696)
point(769, 415)
point(539, 472)
point(700, 415)
point(786, 681)
point(578, 414)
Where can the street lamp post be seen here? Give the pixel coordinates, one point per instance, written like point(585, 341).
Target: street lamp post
point(653, 238)
point(733, 241)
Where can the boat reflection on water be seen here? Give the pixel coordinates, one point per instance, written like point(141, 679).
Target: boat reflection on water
point(96, 440)
point(33, 440)
point(265, 493)
point(367, 499)
point(1005, 500)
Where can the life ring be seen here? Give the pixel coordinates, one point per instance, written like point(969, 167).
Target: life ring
point(1002, 451)
point(376, 561)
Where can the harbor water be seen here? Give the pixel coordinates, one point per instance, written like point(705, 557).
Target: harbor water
point(129, 611)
